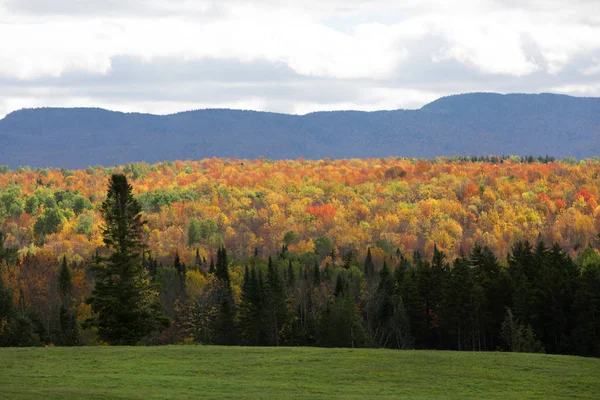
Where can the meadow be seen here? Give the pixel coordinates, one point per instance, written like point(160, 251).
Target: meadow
point(184, 372)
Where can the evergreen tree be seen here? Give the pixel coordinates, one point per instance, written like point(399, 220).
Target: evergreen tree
point(340, 324)
point(339, 286)
point(495, 285)
point(251, 310)
point(69, 332)
point(369, 265)
point(126, 304)
point(16, 329)
point(291, 278)
point(211, 268)
point(275, 307)
point(181, 273)
point(586, 333)
point(519, 338)
point(437, 278)
point(383, 314)
point(224, 329)
point(316, 274)
point(198, 260)
point(222, 267)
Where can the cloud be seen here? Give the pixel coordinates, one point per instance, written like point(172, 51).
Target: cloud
point(289, 56)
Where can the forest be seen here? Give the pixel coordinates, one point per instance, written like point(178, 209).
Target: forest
point(486, 254)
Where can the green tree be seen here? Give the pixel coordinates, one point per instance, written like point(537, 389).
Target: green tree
point(340, 324)
point(7, 254)
point(519, 338)
point(69, 331)
point(224, 328)
point(48, 222)
point(126, 304)
point(275, 304)
point(194, 232)
point(369, 265)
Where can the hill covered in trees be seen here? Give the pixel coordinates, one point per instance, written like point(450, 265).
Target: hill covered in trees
point(482, 123)
point(395, 253)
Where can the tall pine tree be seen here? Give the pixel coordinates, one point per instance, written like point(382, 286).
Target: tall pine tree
point(126, 304)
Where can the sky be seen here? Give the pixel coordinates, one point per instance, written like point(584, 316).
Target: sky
point(164, 56)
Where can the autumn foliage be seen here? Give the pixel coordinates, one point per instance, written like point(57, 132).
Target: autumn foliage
point(244, 205)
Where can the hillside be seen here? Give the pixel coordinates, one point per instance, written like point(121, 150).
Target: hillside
point(472, 124)
point(183, 372)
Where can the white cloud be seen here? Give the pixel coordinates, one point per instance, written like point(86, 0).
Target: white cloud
point(365, 45)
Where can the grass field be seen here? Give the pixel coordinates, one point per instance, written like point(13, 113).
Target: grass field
point(194, 372)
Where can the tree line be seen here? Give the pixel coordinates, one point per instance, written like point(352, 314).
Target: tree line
point(539, 300)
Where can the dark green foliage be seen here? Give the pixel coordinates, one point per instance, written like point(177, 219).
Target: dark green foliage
point(586, 307)
point(194, 232)
point(48, 222)
point(275, 305)
point(11, 204)
point(519, 338)
point(16, 329)
point(224, 328)
point(369, 268)
point(250, 310)
point(222, 267)
point(323, 246)
point(340, 324)
point(127, 305)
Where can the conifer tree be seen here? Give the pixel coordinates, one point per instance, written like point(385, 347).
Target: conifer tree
point(276, 311)
point(69, 333)
point(126, 304)
point(222, 267)
point(181, 273)
point(291, 278)
point(224, 330)
point(316, 274)
point(369, 265)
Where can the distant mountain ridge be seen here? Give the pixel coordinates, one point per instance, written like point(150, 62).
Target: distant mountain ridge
point(468, 124)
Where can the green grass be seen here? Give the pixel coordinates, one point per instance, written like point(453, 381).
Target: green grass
point(194, 372)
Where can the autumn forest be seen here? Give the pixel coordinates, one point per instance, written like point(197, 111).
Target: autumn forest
point(463, 253)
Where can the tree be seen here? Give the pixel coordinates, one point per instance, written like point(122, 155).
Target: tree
point(224, 330)
point(8, 254)
point(126, 304)
point(275, 304)
point(250, 310)
point(369, 265)
point(194, 232)
point(181, 272)
point(221, 269)
point(340, 324)
point(517, 337)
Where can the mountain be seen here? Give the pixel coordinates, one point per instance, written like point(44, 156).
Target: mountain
point(469, 124)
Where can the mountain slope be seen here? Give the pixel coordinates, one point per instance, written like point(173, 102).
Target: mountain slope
point(480, 123)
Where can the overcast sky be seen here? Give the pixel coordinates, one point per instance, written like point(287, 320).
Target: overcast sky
point(163, 56)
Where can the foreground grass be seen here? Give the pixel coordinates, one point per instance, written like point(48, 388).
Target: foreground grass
point(192, 372)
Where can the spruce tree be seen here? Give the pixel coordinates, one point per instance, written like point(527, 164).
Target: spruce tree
point(250, 311)
point(291, 277)
point(224, 328)
point(276, 309)
point(127, 306)
point(69, 333)
point(369, 265)
point(221, 269)
point(316, 274)
point(181, 273)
